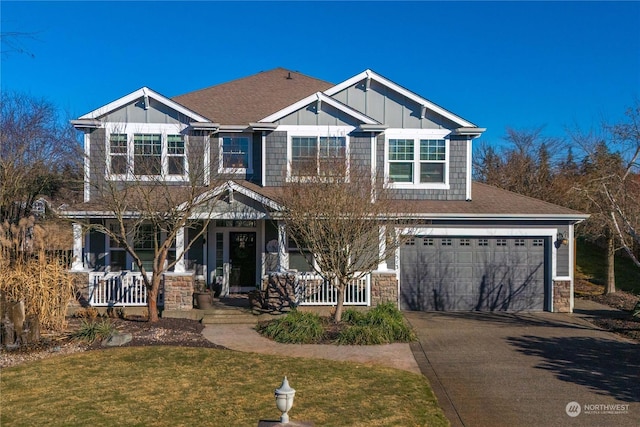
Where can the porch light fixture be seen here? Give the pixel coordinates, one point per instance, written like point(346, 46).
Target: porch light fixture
point(284, 399)
point(561, 239)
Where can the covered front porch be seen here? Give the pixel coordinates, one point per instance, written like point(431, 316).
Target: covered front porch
point(232, 251)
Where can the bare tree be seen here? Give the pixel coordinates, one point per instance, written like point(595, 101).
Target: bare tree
point(38, 155)
point(609, 187)
point(338, 213)
point(146, 210)
point(525, 164)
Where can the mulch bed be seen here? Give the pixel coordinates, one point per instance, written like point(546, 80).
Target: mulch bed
point(188, 333)
point(169, 332)
point(623, 324)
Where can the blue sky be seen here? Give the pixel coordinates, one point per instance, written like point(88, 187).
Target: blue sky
point(497, 64)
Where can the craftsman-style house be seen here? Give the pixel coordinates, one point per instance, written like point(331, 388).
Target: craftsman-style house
point(471, 247)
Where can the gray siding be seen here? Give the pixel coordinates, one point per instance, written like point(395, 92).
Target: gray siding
point(276, 161)
point(156, 113)
point(97, 160)
point(389, 107)
point(195, 157)
point(360, 150)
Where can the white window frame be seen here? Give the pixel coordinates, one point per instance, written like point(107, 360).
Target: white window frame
point(318, 132)
point(249, 168)
point(131, 129)
point(416, 135)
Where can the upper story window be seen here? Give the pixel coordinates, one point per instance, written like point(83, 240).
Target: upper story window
point(235, 154)
point(147, 151)
point(417, 158)
point(176, 154)
point(118, 153)
point(316, 155)
point(317, 150)
point(147, 154)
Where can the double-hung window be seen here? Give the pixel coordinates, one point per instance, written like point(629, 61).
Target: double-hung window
point(176, 154)
point(419, 160)
point(317, 155)
point(118, 153)
point(147, 154)
point(236, 154)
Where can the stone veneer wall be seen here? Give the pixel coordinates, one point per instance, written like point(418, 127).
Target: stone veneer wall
point(278, 292)
point(178, 290)
point(384, 287)
point(562, 296)
point(80, 290)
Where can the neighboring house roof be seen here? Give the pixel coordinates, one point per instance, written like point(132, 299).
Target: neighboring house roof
point(252, 98)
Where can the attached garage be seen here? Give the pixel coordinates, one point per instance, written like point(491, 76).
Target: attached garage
point(485, 273)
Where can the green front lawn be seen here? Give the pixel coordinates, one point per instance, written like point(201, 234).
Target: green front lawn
point(172, 386)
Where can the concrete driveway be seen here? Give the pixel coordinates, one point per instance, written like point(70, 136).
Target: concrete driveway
point(526, 369)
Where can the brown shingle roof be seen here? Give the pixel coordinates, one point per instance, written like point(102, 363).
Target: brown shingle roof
point(252, 98)
point(487, 201)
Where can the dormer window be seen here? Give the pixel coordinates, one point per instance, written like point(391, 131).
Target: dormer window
point(418, 160)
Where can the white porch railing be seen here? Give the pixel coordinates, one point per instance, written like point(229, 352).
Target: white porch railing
point(118, 289)
point(312, 289)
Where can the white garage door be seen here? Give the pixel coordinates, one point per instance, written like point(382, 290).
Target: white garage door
point(471, 273)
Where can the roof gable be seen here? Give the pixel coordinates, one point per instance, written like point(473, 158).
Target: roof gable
point(143, 95)
point(247, 100)
point(425, 104)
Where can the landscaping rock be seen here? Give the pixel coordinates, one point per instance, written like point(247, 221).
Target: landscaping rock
point(117, 339)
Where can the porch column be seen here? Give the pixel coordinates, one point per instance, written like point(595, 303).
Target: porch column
point(77, 264)
point(179, 267)
point(382, 248)
point(283, 253)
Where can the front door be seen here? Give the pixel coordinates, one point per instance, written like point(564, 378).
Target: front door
point(242, 260)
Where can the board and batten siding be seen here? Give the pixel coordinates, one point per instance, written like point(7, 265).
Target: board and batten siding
point(309, 116)
point(156, 113)
point(389, 107)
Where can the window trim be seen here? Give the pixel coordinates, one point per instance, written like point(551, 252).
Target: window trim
point(221, 169)
point(132, 129)
point(417, 135)
point(317, 132)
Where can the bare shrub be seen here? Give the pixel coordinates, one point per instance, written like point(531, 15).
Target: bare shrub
point(29, 273)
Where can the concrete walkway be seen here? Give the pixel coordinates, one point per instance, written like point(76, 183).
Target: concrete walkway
point(525, 369)
point(243, 337)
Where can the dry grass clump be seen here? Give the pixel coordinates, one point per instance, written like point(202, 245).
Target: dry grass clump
point(30, 272)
